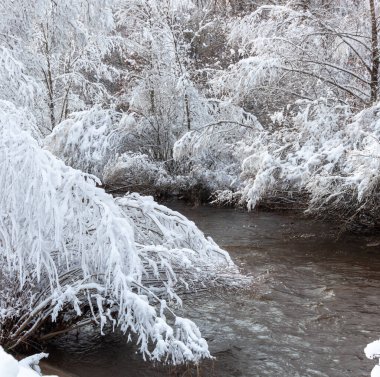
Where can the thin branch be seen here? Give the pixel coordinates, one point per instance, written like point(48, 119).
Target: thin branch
point(324, 79)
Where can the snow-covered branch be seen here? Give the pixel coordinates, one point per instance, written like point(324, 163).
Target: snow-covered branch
point(68, 252)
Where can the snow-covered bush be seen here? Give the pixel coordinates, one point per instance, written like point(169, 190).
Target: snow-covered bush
point(135, 172)
point(320, 148)
point(87, 139)
point(318, 151)
point(98, 141)
point(353, 187)
point(301, 141)
point(69, 256)
point(201, 155)
point(211, 154)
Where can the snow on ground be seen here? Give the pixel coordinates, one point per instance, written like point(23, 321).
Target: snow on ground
point(372, 351)
point(10, 367)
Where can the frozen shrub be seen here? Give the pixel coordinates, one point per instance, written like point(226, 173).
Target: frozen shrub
point(319, 148)
point(87, 139)
point(135, 172)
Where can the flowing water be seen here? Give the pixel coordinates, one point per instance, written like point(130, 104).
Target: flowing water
point(313, 308)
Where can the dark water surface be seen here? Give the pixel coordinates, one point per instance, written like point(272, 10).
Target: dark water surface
point(311, 313)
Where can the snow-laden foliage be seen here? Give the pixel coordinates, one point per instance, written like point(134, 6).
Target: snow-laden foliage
point(321, 149)
point(98, 141)
point(301, 143)
point(160, 93)
point(210, 154)
point(287, 50)
point(28, 367)
point(316, 60)
point(53, 55)
point(181, 244)
point(120, 148)
point(87, 139)
point(15, 84)
point(355, 181)
point(135, 171)
point(71, 256)
point(315, 150)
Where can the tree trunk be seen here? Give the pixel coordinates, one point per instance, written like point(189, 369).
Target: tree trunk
point(50, 92)
point(187, 106)
point(375, 54)
point(152, 102)
point(48, 75)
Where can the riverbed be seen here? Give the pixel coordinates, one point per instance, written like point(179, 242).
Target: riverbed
point(312, 309)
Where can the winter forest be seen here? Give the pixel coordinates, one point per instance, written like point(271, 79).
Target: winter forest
point(111, 109)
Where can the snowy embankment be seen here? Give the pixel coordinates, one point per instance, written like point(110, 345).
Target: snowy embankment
point(372, 351)
point(71, 255)
point(28, 367)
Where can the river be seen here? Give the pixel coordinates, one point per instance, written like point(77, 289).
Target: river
point(313, 308)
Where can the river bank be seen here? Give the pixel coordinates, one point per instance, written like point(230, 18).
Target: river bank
point(48, 369)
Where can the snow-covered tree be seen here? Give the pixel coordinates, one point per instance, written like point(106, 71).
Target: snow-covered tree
point(294, 50)
point(73, 49)
point(320, 149)
point(211, 154)
point(70, 255)
point(57, 55)
point(159, 91)
point(162, 93)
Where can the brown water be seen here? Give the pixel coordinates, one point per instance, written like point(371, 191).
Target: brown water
point(311, 313)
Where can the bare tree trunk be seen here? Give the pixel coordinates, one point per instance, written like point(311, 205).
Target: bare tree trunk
point(187, 106)
point(65, 105)
point(48, 75)
point(375, 54)
point(50, 90)
point(152, 102)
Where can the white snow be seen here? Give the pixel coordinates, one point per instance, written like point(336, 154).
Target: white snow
point(376, 371)
point(372, 351)
point(10, 367)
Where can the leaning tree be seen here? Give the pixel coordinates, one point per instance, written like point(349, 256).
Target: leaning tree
point(70, 255)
